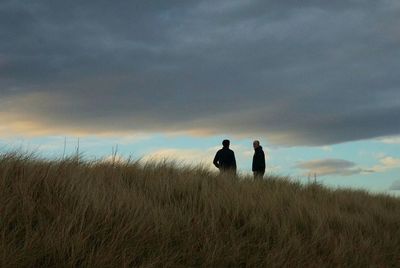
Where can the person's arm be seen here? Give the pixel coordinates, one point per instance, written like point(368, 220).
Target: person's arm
point(216, 160)
point(262, 160)
point(234, 161)
point(253, 163)
point(258, 161)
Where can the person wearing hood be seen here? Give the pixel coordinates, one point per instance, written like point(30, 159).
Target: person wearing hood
point(258, 167)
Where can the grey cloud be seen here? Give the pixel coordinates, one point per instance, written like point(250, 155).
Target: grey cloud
point(308, 72)
point(395, 186)
point(323, 167)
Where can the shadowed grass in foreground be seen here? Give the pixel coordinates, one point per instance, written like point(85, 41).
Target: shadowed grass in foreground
point(63, 213)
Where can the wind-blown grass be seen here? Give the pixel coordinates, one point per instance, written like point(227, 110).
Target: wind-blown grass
point(65, 213)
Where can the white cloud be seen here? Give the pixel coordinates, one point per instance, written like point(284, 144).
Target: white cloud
point(391, 140)
point(183, 156)
point(115, 159)
point(327, 148)
point(386, 163)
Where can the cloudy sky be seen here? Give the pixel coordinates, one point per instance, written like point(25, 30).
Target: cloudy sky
point(318, 82)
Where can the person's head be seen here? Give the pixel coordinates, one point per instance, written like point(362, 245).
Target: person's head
point(226, 143)
point(256, 144)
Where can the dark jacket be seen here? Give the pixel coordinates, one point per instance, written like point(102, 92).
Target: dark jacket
point(225, 159)
point(258, 159)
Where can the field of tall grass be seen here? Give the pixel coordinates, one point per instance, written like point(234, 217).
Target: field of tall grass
point(74, 213)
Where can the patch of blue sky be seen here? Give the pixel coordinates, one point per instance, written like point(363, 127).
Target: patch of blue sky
point(281, 160)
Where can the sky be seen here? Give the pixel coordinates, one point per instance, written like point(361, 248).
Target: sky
point(317, 82)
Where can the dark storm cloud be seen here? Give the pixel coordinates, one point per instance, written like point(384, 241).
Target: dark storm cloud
point(297, 72)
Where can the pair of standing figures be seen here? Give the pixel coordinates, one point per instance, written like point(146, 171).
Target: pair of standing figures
point(225, 160)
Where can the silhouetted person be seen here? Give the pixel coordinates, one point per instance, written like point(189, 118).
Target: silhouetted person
point(258, 161)
point(225, 160)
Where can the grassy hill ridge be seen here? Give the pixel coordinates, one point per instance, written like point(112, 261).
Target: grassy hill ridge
point(69, 213)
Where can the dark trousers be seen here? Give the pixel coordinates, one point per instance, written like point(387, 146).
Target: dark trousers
point(228, 172)
point(259, 174)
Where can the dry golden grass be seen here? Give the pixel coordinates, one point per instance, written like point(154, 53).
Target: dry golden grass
point(65, 213)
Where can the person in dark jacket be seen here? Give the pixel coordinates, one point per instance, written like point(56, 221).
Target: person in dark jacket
point(258, 160)
point(225, 160)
